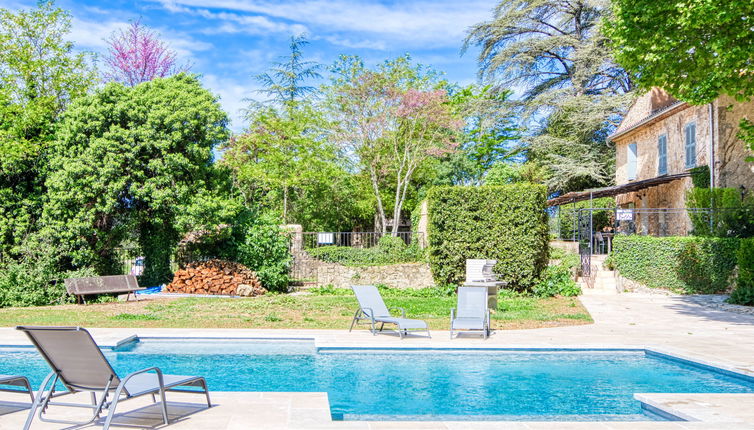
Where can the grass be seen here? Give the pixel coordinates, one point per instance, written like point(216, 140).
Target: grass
point(323, 310)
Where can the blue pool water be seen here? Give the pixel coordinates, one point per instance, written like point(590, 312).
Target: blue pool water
point(422, 384)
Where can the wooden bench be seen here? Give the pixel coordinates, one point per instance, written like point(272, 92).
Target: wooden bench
point(103, 285)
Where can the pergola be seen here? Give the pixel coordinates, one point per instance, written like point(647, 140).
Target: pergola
point(577, 196)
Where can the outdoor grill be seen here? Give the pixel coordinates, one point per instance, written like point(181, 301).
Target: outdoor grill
point(479, 274)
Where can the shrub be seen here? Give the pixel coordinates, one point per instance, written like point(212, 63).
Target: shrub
point(259, 244)
point(732, 216)
point(507, 223)
point(692, 265)
point(557, 281)
point(389, 250)
point(36, 279)
point(743, 294)
point(700, 176)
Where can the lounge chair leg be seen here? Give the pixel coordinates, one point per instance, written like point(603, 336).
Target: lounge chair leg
point(382, 326)
point(154, 399)
point(355, 317)
point(29, 389)
point(206, 392)
point(112, 406)
point(164, 406)
point(39, 399)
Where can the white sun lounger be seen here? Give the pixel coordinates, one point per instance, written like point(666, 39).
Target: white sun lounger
point(78, 363)
point(372, 308)
point(472, 313)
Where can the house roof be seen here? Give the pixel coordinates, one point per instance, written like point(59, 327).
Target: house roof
point(577, 196)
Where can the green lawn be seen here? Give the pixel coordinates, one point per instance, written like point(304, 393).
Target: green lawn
point(287, 311)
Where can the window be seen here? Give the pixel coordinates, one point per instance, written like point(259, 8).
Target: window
point(662, 155)
point(690, 145)
point(631, 165)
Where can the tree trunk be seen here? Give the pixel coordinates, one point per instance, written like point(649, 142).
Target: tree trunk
point(380, 209)
point(285, 205)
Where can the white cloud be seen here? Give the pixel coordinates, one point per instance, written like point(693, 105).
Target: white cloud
point(357, 44)
point(425, 22)
point(232, 96)
point(91, 35)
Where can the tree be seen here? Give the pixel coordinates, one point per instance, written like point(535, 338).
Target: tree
point(40, 75)
point(557, 52)
point(128, 162)
point(390, 120)
point(490, 134)
point(284, 83)
point(282, 151)
point(138, 55)
point(697, 49)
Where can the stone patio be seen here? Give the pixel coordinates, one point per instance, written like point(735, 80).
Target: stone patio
point(676, 325)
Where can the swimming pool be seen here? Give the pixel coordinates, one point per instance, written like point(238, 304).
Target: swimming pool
point(423, 384)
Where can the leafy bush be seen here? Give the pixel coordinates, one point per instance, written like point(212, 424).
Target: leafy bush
point(700, 176)
point(260, 244)
point(558, 277)
point(36, 279)
point(692, 265)
point(507, 223)
point(732, 216)
point(557, 281)
point(743, 294)
point(389, 250)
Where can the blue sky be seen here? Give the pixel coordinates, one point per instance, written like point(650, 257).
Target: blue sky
point(230, 41)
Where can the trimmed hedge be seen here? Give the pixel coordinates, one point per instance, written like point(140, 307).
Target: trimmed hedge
point(507, 223)
point(733, 216)
point(744, 292)
point(691, 265)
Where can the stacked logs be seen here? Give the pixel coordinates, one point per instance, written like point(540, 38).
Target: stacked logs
point(217, 277)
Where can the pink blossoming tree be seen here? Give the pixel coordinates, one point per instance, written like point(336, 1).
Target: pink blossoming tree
point(137, 55)
point(390, 121)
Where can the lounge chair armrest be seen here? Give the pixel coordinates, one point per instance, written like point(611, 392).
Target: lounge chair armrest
point(403, 311)
point(371, 313)
point(157, 370)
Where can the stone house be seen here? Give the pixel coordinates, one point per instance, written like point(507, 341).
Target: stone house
point(658, 143)
point(661, 139)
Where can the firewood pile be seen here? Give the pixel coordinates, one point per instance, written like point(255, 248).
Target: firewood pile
point(217, 277)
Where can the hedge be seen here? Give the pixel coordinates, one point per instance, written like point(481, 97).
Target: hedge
point(507, 223)
point(691, 265)
point(732, 215)
point(744, 292)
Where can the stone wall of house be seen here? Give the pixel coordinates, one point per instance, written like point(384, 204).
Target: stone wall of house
point(730, 158)
point(644, 105)
point(670, 195)
point(646, 139)
point(405, 275)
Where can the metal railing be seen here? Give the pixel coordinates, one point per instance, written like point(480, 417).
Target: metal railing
point(351, 239)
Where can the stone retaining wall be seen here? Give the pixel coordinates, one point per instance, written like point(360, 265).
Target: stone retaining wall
point(405, 275)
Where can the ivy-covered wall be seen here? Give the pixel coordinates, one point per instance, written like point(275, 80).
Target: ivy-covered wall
point(691, 265)
point(506, 223)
